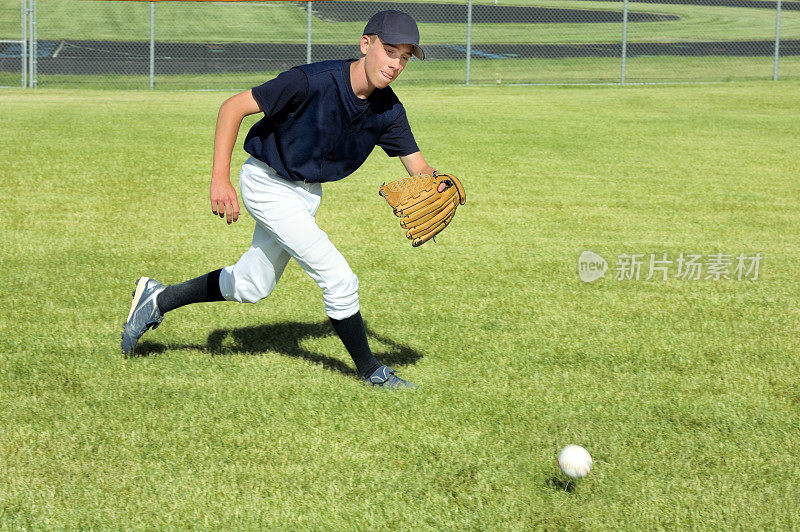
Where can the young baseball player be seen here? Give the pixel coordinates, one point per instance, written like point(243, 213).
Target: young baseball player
point(321, 122)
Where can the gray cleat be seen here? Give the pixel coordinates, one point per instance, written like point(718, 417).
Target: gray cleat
point(144, 312)
point(385, 377)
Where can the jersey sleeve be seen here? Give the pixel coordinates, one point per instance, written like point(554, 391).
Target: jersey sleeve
point(397, 139)
point(282, 95)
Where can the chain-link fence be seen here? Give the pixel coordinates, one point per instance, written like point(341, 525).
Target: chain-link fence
point(230, 45)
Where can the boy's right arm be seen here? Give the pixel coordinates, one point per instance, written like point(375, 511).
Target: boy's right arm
point(224, 201)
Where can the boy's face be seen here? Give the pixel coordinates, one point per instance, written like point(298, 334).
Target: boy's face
point(383, 62)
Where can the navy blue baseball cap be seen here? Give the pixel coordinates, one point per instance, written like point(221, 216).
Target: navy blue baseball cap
point(395, 27)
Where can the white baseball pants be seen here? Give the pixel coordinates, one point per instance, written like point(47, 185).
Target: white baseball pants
point(284, 211)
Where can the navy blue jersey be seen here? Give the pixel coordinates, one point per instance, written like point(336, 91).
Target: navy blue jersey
point(316, 129)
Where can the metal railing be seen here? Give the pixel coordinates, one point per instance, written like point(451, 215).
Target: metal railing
point(229, 45)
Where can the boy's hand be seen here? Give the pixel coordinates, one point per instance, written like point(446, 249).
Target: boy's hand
point(224, 201)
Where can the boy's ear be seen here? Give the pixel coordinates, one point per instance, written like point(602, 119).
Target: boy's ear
point(365, 42)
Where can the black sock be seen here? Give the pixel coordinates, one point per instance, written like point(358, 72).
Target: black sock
point(198, 290)
point(353, 335)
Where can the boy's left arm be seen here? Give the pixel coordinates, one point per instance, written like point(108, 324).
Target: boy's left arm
point(416, 165)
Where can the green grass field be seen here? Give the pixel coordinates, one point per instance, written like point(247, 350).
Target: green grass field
point(250, 416)
point(286, 22)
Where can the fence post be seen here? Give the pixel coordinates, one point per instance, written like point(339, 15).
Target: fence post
point(308, 34)
point(33, 46)
point(469, 37)
point(777, 41)
point(23, 45)
point(152, 45)
point(624, 40)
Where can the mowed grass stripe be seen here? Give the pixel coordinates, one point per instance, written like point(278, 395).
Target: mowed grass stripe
point(664, 69)
point(280, 22)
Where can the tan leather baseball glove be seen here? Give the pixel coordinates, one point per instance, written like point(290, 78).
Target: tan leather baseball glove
point(424, 203)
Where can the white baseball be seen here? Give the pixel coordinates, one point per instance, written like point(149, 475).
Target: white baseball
point(575, 461)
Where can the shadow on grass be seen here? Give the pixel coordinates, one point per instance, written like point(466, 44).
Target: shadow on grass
point(561, 483)
point(286, 338)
